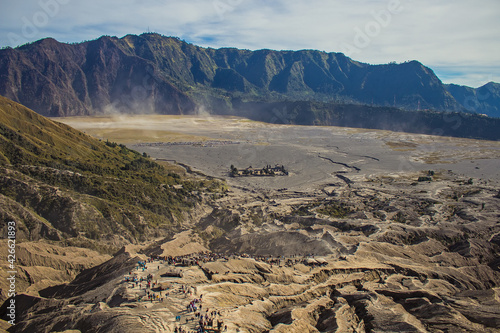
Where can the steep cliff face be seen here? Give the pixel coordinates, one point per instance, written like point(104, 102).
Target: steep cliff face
point(58, 79)
point(153, 73)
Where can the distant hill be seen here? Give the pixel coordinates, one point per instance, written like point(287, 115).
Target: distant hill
point(153, 73)
point(60, 184)
point(482, 100)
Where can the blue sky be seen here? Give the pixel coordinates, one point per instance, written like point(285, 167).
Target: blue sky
point(458, 39)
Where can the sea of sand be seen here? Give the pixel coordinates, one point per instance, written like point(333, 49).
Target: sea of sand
point(313, 155)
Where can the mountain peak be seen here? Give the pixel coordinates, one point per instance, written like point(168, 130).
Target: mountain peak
point(492, 84)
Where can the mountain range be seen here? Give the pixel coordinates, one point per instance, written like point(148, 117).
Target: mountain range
point(151, 73)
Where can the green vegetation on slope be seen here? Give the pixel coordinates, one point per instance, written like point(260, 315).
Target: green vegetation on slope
point(80, 188)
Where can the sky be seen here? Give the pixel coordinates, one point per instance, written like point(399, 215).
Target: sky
point(458, 39)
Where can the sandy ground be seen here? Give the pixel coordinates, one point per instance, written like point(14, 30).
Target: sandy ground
point(313, 155)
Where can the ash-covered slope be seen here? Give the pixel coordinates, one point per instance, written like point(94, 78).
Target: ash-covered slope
point(153, 73)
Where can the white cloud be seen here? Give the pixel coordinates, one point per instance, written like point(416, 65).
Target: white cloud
point(459, 37)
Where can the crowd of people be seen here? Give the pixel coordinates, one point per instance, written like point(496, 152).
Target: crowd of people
point(205, 257)
point(207, 321)
point(211, 321)
point(192, 259)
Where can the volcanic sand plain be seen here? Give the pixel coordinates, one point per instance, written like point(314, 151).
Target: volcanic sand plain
point(313, 155)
